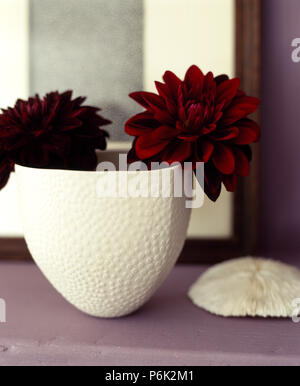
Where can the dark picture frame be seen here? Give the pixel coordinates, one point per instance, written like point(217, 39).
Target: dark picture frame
point(245, 216)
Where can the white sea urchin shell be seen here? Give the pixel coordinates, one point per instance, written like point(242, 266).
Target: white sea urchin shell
point(249, 287)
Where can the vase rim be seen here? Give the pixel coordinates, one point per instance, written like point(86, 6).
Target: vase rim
point(95, 172)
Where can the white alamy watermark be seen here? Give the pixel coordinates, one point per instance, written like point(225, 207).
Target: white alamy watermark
point(160, 180)
point(296, 310)
point(2, 311)
point(296, 51)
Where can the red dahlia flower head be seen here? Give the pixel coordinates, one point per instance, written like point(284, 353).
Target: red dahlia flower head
point(200, 119)
point(54, 132)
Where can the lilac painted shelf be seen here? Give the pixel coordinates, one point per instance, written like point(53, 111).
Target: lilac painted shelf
point(43, 329)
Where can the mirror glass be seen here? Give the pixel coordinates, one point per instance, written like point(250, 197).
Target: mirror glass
point(106, 49)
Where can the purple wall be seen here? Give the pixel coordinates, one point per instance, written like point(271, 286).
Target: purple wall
point(280, 145)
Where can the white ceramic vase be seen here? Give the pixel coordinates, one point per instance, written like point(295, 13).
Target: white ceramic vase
point(105, 255)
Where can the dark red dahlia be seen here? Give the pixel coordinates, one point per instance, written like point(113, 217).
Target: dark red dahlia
point(54, 132)
point(199, 119)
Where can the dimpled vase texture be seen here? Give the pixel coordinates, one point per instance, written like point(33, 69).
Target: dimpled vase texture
point(105, 255)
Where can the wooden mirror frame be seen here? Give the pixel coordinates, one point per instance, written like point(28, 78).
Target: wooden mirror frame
point(244, 239)
point(245, 217)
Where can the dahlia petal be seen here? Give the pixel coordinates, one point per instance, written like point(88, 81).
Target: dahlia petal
point(242, 166)
point(218, 113)
point(59, 144)
point(154, 104)
point(82, 111)
point(141, 124)
point(173, 82)
point(103, 122)
point(207, 150)
point(227, 90)
point(131, 156)
point(15, 143)
point(79, 101)
point(194, 80)
point(171, 107)
point(246, 149)
point(5, 132)
point(210, 84)
point(34, 154)
point(194, 116)
point(239, 109)
point(223, 159)
point(230, 182)
point(209, 129)
point(88, 161)
point(212, 182)
point(188, 137)
point(220, 79)
point(164, 132)
point(178, 151)
point(181, 110)
point(137, 97)
point(249, 132)
point(193, 75)
point(163, 90)
point(225, 134)
point(5, 169)
point(164, 117)
point(248, 100)
point(53, 112)
point(65, 96)
point(66, 124)
point(100, 142)
point(250, 104)
point(165, 93)
point(153, 100)
point(180, 126)
point(240, 93)
point(148, 99)
point(146, 146)
point(209, 78)
point(213, 190)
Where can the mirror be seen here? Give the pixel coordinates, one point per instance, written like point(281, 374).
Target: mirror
point(107, 49)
